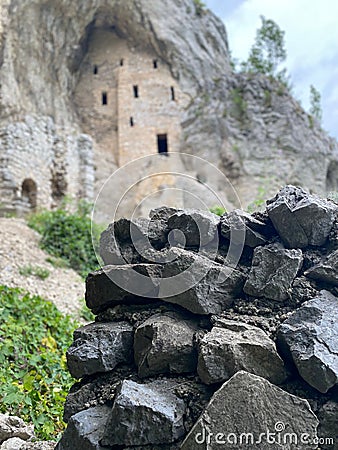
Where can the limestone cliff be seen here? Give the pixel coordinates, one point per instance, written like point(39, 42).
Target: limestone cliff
point(255, 133)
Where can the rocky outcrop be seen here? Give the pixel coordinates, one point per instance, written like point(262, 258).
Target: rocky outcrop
point(273, 348)
point(247, 125)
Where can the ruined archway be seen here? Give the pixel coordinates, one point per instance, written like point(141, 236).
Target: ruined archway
point(29, 191)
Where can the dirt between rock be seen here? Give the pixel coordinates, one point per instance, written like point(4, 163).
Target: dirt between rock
point(19, 248)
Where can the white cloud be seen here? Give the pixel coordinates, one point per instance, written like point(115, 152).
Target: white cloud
point(311, 36)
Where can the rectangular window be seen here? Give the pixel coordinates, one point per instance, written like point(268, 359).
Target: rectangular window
point(162, 144)
point(155, 63)
point(104, 98)
point(135, 88)
point(95, 70)
point(131, 122)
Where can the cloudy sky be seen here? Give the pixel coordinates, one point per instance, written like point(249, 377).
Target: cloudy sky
point(311, 38)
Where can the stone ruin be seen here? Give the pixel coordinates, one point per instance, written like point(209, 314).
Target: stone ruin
point(211, 332)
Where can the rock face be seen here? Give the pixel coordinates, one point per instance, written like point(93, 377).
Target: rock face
point(160, 347)
point(310, 337)
point(256, 129)
point(326, 270)
point(238, 346)
point(249, 412)
point(273, 271)
point(137, 408)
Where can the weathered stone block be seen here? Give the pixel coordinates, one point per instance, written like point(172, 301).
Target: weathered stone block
point(301, 219)
point(272, 272)
point(100, 347)
point(113, 285)
point(238, 346)
point(85, 430)
point(326, 270)
point(144, 414)
point(242, 228)
point(309, 337)
point(198, 284)
point(199, 227)
point(165, 344)
point(248, 412)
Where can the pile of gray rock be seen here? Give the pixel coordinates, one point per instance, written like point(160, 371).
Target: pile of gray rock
point(15, 434)
point(211, 332)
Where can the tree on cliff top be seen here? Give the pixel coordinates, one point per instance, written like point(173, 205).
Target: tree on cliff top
point(268, 51)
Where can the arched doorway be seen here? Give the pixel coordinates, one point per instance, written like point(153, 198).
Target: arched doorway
point(29, 192)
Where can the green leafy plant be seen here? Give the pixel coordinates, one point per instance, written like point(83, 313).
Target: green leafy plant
point(58, 263)
point(34, 380)
point(315, 106)
point(240, 105)
point(200, 7)
point(218, 210)
point(68, 235)
point(268, 53)
point(35, 271)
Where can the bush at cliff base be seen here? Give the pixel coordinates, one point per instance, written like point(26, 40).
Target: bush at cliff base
point(34, 380)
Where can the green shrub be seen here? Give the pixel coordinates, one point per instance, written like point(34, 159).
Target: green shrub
point(35, 271)
point(218, 210)
point(200, 7)
point(68, 235)
point(34, 380)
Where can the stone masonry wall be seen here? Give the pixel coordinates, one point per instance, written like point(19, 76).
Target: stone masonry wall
point(211, 332)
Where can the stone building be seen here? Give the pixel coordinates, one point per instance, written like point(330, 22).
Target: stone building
point(127, 99)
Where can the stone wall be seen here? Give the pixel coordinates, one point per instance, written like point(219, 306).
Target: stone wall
point(52, 162)
point(210, 330)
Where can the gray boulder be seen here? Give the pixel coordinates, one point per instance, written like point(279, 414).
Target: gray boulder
point(120, 242)
point(198, 284)
point(85, 430)
point(165, 344)
point(326, 271)
point(272, 272)
point(14, 427)
point(238, 346)
point(238, 224)
point(248, 412)
point(199, 227)
point(100, 347)
point(144, 414)
point(309, 337)
point(158, 224)
point(113, 285)
point(301, 219)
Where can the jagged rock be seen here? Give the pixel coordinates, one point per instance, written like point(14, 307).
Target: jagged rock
point(326, 271)
point(100, 347)
point(85, 430)
point(165, 344)
point(301, 219)
point(120, 242)
point(145, 414)
point(199, 227)
point(14, 427)
point(244, 410)
point(328, 419)
point(241, 227)
point(238, 346)
point(158, 224)
point(14, 443)
point(309, 337)
point(118, 284)
point(272, 272)
point(198, 284)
